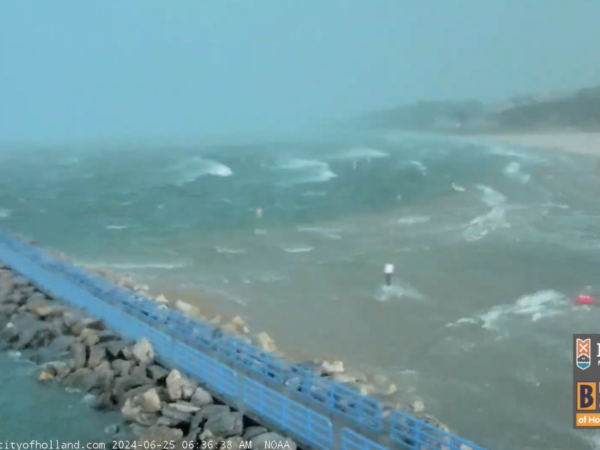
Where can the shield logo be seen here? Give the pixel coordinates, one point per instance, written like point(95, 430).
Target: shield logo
point(583, 353)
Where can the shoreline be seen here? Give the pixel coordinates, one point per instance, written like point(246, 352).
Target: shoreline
point(581, 143)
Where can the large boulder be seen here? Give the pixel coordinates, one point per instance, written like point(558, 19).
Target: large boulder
point(225, 425)
point(174, 385)
point(143, 352)
point(97, 355)
point(201, 397)
point(187, 309)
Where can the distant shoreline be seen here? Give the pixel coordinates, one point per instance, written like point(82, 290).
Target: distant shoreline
point(583, 143)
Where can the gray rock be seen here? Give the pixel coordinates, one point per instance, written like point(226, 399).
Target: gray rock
point(122, 366)
point(149, 401)
point(123, 384)
point(140, 371)
point(188, 387)
point(158, 373)
point(312, 366)
point(192, 436)
point(176, 415)
point(131, 393)
point(251, 432)
point(70, 319)
point(174, 385)
point(209, 411)
point(143, 352)
point(185, 407)
point(197, 420)
point(8, 309)
point(79, 355)
point(46, 310)
point(106, 336)
point(89, 337)
point(97, 355)
point(81, 378)
point(132, 412)
point(272, 440)
point(55, 368)
point(115, 348)
point(103, 402)
point(9, 333)
point(88, 322)
point(201, 397)
point(32, 333)
point(128, 352)
point(225, 425)
point(61, 344)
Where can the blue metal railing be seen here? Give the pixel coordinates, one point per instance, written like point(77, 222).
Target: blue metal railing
point(240, 371)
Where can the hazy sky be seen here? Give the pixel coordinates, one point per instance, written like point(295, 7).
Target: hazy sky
point(114, 69)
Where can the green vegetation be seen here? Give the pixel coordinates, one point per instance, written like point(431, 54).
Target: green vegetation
point(575, 111)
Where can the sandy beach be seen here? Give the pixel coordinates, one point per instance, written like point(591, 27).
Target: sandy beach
point(581, 143)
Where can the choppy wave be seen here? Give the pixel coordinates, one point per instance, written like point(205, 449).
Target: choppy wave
point(493, 219)
point(397, 291)
point(230, 251)
point(364, 153)
point(195, 167)
point(116, 227)
point(514, 171)
point(413, 220)
point(300, 171)
point(534, 307)
point(297, 249)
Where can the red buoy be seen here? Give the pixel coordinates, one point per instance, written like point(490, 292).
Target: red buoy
point(584, 299)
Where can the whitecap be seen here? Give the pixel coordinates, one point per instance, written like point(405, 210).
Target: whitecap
point(494, 219)
point(534, 307)
point(420, 167)
point(413, 220)
point(300, 171)
point(397, 291)
point(15, 355)
point(517, 153)
point(195, 167)
point(116, 227)
point(458, 188)
point(364, 153)
point(513, 171)
point(5, 213)
point(230, 251)
point(297, 249)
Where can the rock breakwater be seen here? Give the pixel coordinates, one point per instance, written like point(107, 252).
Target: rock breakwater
point(80, 352)
point(158, 404)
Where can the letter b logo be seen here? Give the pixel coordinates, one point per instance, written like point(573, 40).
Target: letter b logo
point(586, 396)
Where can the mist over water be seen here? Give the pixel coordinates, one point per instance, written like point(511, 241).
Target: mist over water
point(490, 244)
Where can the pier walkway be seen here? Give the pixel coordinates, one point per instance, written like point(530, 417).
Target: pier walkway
point(316, 412)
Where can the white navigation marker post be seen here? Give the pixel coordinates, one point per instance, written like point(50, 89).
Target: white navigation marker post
point(388, 270)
